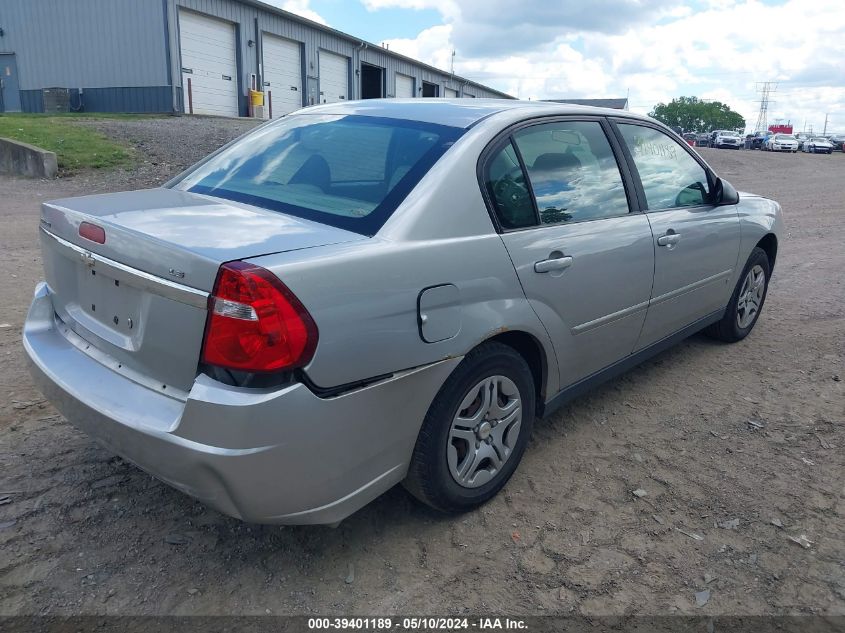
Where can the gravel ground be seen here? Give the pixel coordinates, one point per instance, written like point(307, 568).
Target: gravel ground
point(165, 146)
point(740, 445)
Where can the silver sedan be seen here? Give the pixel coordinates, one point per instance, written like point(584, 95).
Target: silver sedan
point(363, 294)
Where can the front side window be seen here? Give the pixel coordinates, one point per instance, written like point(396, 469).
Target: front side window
point(572, 170)
point(350, 172)
point(671, 177)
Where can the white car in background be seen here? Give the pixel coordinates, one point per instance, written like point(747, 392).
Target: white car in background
point(781, 143)
point(818, 145)
point(727, 138)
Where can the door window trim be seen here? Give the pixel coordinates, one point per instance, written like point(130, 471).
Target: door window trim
point(614, 123)
point(505, 136)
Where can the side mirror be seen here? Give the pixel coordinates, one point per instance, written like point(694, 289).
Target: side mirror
point(724, 193)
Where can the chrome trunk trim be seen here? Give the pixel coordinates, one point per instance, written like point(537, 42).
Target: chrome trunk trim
point(134, 277)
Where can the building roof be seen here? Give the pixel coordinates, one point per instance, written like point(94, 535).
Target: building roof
point(316, 25)
point(614, 104)
point(463, 113)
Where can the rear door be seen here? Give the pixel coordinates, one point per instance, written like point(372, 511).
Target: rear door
point(209, 65)
point(584, 259)
point(696, 243)
point(334, 77)
point(282, 75)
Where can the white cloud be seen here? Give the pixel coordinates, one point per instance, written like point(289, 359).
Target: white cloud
point(537, 49)
point(446, 8)
point(299, 7)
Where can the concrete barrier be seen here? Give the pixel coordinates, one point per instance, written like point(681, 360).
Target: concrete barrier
point(22, 159)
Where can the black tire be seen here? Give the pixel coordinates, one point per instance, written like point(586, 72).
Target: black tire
point(429, 477)
point(728, 328)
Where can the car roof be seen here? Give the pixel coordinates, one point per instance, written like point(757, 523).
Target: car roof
point(461, 113)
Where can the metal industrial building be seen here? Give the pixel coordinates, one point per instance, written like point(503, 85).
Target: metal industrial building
point(195, 56)
point(615, 104)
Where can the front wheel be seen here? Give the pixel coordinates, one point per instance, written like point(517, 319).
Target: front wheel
point(475, 431)
point(746, 301)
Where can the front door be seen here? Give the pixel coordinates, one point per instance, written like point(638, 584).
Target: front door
point(584, 259)
point(10, 96)
point(696, 244)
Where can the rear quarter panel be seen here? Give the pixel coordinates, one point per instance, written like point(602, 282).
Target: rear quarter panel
point(363, 298)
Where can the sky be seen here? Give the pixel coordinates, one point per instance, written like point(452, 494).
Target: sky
point(647, 50)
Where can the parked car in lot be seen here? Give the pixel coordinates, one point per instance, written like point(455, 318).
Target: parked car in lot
point(366, 293)
point(690, 138)
point(781, 143)
point(818, 145)
point(801, 137)
point(838, 142)
point(759, 140)
point(703, 139)
point(727, 139)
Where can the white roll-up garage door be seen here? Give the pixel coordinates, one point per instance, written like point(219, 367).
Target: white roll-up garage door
point(404, 86)
point(334, 77)
point(282, 75)
point(209, 65)
point(449, 93)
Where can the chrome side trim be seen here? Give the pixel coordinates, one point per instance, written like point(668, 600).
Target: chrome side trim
point(693, 286)
point(609, 318)
point(621, 314)
point(132, 276)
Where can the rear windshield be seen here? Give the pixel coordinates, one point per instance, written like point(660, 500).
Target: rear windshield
point(346, 171)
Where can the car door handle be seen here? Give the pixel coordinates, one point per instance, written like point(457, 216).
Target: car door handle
point(553, 263)
point(669, 239)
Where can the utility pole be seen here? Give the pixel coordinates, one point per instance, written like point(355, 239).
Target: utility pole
point(825, 125)
point(765, 89)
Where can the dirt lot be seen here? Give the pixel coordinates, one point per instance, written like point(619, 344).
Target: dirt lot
point(741, 445)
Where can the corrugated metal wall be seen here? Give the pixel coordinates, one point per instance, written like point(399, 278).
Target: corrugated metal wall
point(124, 54)
point(86, 43)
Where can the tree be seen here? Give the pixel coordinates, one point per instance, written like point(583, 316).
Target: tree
point(692, 114)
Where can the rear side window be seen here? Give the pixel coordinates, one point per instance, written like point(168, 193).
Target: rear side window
point(573, 172)
point(671, 177)
point(509, 191)
point(346, 171)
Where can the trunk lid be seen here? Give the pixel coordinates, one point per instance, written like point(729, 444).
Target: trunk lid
point(140, 297)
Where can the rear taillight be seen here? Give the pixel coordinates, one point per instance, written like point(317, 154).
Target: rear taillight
point(255, 323)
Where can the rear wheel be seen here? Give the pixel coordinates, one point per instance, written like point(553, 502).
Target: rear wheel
point(475, 432)
point(746, 302)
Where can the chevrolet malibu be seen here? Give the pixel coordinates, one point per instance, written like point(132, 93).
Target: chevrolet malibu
point(363, 294)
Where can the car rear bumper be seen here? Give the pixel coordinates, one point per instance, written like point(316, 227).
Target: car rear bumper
point(279, 455)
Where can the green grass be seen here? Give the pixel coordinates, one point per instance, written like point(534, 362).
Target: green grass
point(77, 147)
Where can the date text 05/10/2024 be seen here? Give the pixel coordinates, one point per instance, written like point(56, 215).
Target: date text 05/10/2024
point(417, 624)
